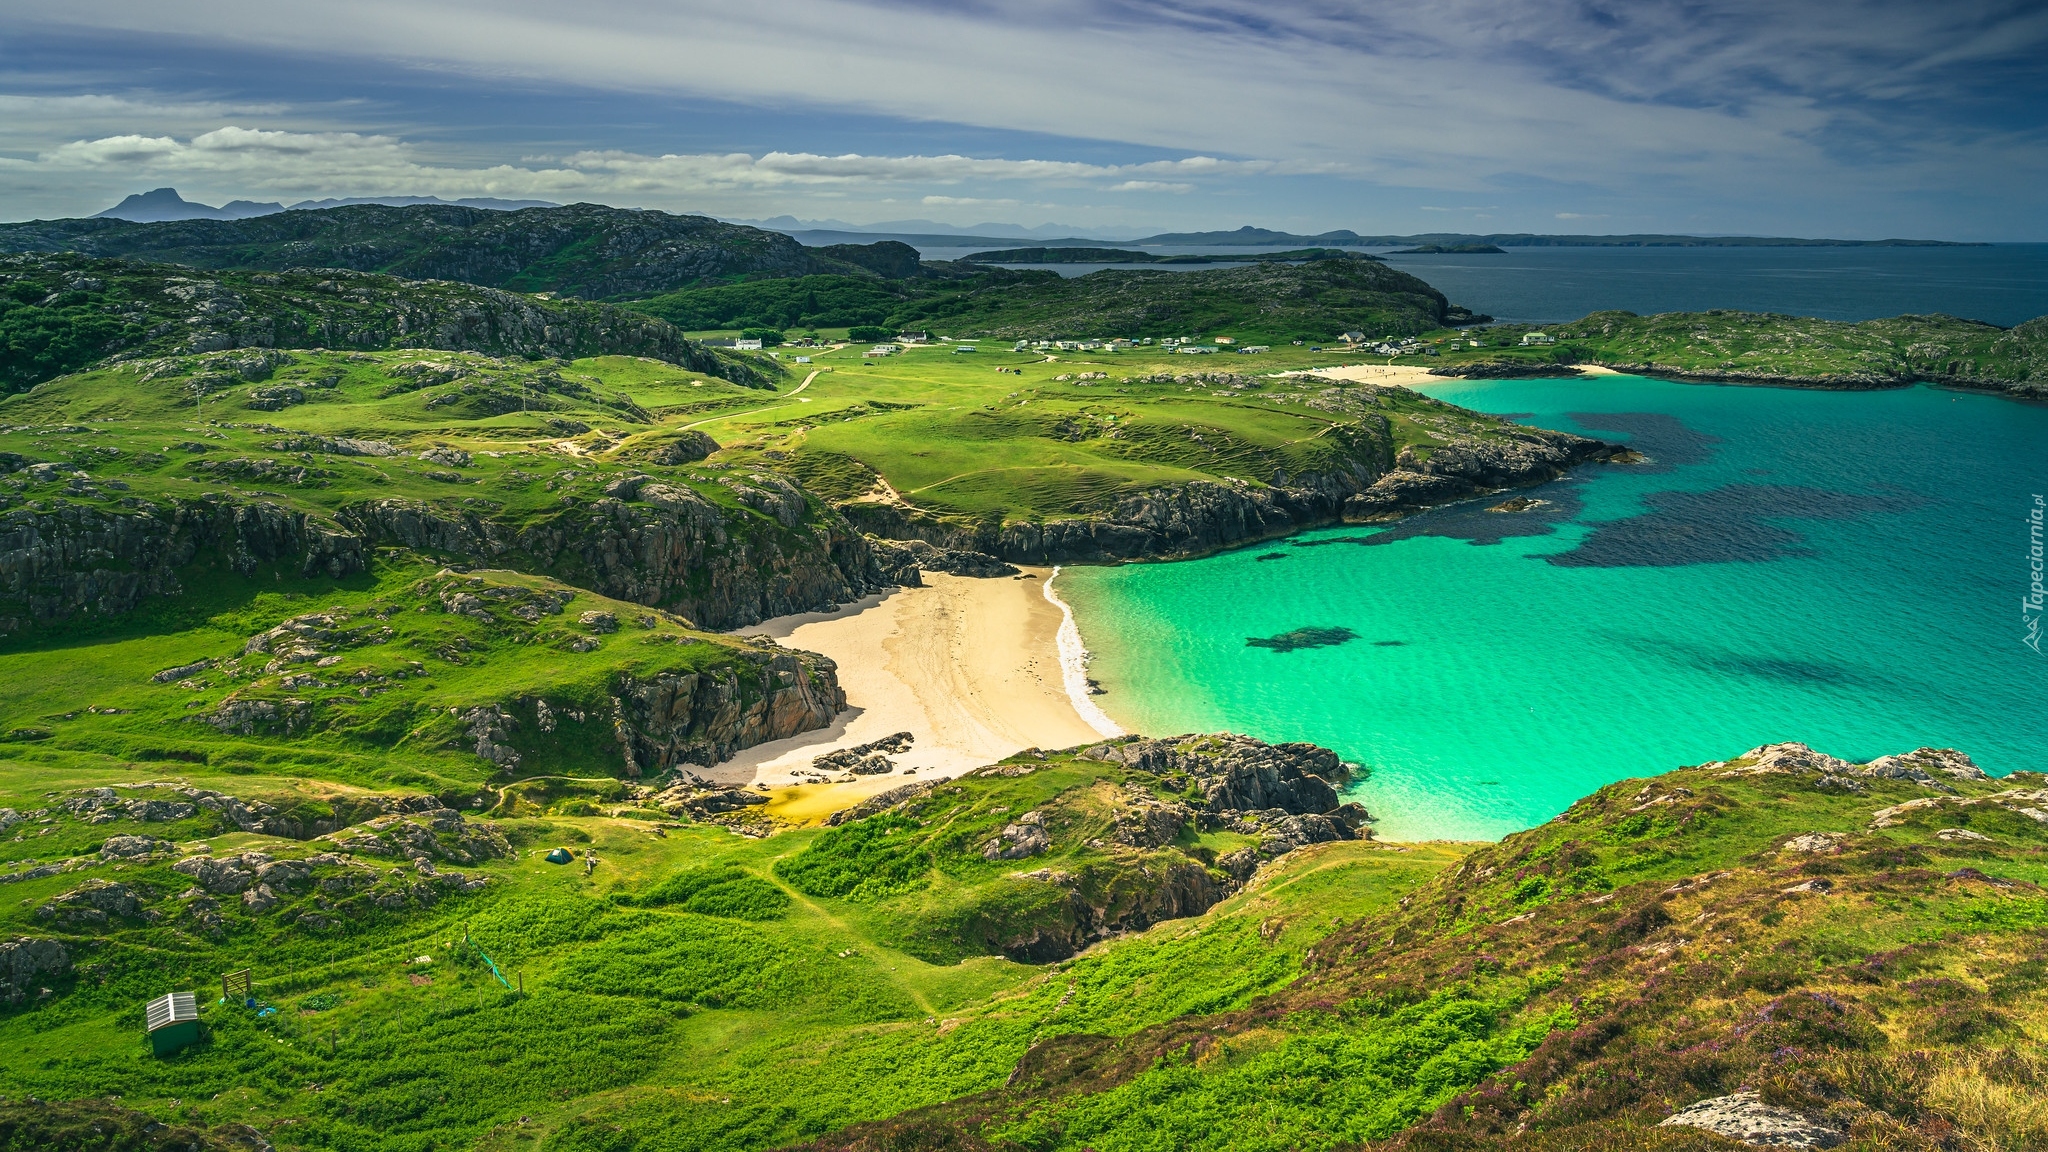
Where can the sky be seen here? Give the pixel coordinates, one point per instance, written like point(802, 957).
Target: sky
point(1848, 118)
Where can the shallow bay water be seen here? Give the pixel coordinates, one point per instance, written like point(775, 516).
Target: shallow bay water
point(1842, 568)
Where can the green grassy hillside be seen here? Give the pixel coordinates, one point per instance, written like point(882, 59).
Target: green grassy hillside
point(1858, 945)
point(1860, 950)
point(707, 984)
point(587, 250)
point(975, 445)
point(1772, 349)
point(61, 314)
point(1262, 303)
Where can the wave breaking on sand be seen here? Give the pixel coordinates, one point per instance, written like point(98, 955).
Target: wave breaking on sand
point(1074, 664)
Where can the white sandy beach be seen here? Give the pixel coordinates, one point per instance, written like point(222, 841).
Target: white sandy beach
point(1392, 374)
point(970, 667)
point(1410, 376)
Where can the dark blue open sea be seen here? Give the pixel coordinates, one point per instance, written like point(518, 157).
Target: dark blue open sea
point(2004, 284)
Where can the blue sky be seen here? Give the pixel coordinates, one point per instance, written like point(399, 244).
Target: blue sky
point(1857, 118)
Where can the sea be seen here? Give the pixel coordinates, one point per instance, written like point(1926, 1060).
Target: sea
point(2003, 284)
point(1846, 569)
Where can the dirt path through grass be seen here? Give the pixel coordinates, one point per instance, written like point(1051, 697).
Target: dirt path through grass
point(896, 977)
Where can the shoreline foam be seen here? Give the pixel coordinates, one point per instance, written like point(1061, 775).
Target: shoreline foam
point(1074, 664)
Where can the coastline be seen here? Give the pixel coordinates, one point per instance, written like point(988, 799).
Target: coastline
point(1074, 664)
point(972, 668)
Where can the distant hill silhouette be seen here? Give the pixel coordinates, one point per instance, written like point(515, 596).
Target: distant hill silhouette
point(163, 204)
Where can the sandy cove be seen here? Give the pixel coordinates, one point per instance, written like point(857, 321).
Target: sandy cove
point(970, 667)
point(1410, 375)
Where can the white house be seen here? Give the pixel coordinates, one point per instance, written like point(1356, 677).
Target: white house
point(1529, 338)
point(746, 345)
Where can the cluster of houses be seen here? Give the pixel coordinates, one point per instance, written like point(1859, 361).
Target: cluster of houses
point(1186, 345)
point(1354, 341)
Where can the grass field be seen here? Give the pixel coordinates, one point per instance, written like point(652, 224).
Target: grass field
point(1005, 435)
point(683, 983)
point(1846, 951)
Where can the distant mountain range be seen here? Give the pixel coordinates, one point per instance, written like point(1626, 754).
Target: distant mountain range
point(933, 228)
point(163, 204)
point(1249, 236)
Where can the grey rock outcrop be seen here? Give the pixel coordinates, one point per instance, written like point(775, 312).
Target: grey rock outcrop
point(1920, 762)
point(693, 797)
point(687, 448)
point(23, 959)
point(1025, 837)
point(1282, 793)
point(424, 835)
point(870, 759)
point(492, 731)
point(704, 717)
point(249, 717)
point(134, 847)
point(1919, 766)
point(223, 876)
point(92, 904)
point(1151, 824)
point(1237, 773)
point(902, 561)
point(1132, 901)
point(1745, 1117)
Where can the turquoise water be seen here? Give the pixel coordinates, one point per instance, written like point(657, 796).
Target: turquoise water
point(1840, 568)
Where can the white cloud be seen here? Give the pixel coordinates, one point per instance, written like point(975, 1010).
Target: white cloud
point(1716, 102)
point(240, 161)
point(1582, 216)
point(1312, 89)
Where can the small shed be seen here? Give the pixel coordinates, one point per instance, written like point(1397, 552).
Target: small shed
point(173, 1022)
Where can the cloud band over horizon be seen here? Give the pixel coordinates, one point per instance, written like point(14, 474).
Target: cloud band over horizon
point(1861, 119)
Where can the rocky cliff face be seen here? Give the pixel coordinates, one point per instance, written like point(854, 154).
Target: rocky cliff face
point(75, 561)
point(660, 545)
point(1467, 467)
point(1129, 901)
point(655, 544)
point(703, 718)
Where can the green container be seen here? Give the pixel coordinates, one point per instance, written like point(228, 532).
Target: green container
point(173, 1022)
